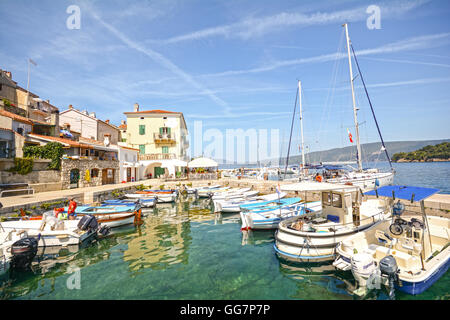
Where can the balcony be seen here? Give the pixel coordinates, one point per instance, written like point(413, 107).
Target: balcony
point(157, 156)
point(164, 138)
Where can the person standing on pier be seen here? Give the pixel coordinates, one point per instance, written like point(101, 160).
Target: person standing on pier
point(71, 210)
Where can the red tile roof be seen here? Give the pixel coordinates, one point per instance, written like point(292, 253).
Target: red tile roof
point(15, 117)
point(153, 111)
point(71, 143)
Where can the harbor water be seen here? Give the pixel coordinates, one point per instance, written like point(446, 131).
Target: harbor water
point(185, 251)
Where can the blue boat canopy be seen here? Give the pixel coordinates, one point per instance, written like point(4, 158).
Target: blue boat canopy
point(404, 192)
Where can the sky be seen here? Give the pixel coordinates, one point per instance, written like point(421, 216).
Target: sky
point(236, 64)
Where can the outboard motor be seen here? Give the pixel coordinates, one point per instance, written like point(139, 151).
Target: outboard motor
point(22, 253)
point(104, 230)
point(388, 267)
point(88, 222)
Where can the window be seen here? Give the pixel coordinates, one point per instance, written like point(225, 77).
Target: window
point(142, 148)
point(164, 130)
point(141, 129)
point(337, 200)
point(165, 149)
point(94, 173)
point(326, 198)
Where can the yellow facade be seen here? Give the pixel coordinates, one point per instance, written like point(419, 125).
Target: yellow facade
point(158, 135)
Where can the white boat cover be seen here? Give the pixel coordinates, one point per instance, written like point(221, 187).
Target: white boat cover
point(316, 186)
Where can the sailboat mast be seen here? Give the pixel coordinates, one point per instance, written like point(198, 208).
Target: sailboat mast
point(301, 126)
point(355, 110)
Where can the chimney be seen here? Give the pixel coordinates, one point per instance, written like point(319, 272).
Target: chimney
point(124, 122)
point(92, 114)
point(8, 74)
point(70, 106)
point(136, 107)
point(107, 121)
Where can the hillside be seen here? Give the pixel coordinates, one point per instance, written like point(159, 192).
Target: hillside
point(439, 152)
point(370, 152)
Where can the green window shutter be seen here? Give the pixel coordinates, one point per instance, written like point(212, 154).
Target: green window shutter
point(168, 130)
point(160, 130)
point(142, 129)
point(165, 149)
point(142, 148)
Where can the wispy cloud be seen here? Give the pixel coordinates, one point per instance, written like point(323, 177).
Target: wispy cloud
point(160, 59)
point(254, 27)
point(415, 43)
point(410, 62)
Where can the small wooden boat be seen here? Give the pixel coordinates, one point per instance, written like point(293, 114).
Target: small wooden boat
point(313, 237)
point(207, 193)
point(233, 205)
point(144, 202)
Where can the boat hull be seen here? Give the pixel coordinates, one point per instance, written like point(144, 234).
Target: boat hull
point(370, 182)
point(311, 246)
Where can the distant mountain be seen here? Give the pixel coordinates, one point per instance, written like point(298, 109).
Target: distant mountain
point(370, 151)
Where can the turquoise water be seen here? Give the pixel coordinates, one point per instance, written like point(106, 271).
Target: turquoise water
point(185, 251)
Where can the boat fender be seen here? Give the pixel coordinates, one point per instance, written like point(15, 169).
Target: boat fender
point(319, 178)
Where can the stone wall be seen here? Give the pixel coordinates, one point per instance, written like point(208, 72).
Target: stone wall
point(82, 165)
point(40, 174)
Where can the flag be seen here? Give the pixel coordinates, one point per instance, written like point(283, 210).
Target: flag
point(350, 136)
point(32, 62)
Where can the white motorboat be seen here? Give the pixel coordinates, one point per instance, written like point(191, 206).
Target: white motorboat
point(234, 193)
point(191, 190)
point(313, 237)
point(17, 250)
point(270, 219)
point(233, 205)
point(51, 231)
point(160, 197)
point(409, 254)
point(207, 193)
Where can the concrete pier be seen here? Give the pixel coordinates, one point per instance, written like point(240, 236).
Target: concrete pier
point(438, 204)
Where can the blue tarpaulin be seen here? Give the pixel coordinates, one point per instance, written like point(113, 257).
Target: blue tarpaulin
point(404, 192)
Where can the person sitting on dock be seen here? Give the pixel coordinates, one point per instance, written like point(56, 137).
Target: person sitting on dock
point(71, 211)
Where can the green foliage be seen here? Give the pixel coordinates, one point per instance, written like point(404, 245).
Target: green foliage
point(117, 193)
point(50, 205)
point(140, 187)
point(52, 151)
point(439, 151)
point(22, 166)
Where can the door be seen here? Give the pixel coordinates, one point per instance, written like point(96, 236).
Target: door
point(159, 172)
point(74, 178)
point(107, 176)
point(128, 174)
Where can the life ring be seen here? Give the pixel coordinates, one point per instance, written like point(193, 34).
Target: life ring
point(319, 178)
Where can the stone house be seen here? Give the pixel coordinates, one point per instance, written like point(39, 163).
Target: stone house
point(89, 125)
point(85, 163)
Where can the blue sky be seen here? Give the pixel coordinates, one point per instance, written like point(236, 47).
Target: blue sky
point(235, 63)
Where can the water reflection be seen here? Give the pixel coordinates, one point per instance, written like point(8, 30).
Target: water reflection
point(165, 236)
point(51, 263)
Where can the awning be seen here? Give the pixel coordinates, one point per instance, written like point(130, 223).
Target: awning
point(202, 163)
point(316, 186)
point(404, 192)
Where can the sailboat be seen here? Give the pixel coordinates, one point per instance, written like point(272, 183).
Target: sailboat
point(364, 178)
point(370, 178)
